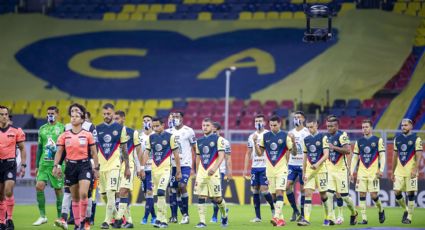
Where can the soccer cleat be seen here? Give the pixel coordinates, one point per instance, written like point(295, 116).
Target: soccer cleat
point(86, 225)
point(255, 220)
point(280, 223)
point(274, 221)
point(382, 216)
point(303, 222)
point(224, 221)
point(407, 221)
point(363, 222)
point(104, 225)
point(144, 221)
point(173, 220)
point(331, 222)
point(353, 219)
point(326, 223)
point(71, 220)
point(61, 223)
point(153, 220)
point(213, 219)
point(163, 225)
point(10, 225)
point(185, 219)
point(200, 225)
point(157, 224)
point(295, 216)
point(40, 221)
point(117, 224)
point(128, 225)
point(339, 220)
point(77, 227)
point(404, 216)
point(273, 211)
point(2, 226)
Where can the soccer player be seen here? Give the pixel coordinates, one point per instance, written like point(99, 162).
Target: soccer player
point(10, 137)
point(259, 182)
point(295, 164)
point(225, 166)
point(369, 155)
point(147, 180)
point(209, 155)
point(111, 138)
point(407, 155)
point(316, 150)
point(126, 185)
point(47, 137)
point(161, 145)
point(79, 171)
point(338, 171)
point(277, 145)
point(185, 138)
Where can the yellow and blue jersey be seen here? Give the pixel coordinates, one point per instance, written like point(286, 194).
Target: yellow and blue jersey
point(368, 150)
point(337, 161)
point(132, 142)
point(208, 148)
point(314, 147)
point(161, 147)
point(109, 139)
point(276, 146)
point(406, 147)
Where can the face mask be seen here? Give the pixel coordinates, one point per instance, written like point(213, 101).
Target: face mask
point(177, 122)
point(51, 118)
point(146, 125)
point(259, 126)
point(297, 122)
point(170, 123)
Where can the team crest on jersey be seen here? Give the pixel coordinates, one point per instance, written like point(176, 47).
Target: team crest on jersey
point(107, 138)
point(366, 149)
point(410, 143)
point(273, 146)
point(373, 144)
point(312, 148)
point(206, 149)
point(164, 142)
point(212, 144)
point(403, 147)
point(318, 143)
point(158, 147)
point(280, 141)
point(115, 132)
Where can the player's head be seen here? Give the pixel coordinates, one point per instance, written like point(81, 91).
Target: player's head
point(77, 118)
point(406, 125)
point(119, 117)
point(275, 123)
point(52, 114)
point(259, 122)
point(207, 126)
point(4, 115)
point(76, 108)
point(312, 126)
point(367, 127)
point(178, 118)
point(88, 116)
point(158, 125)
point(299, 118)
point(108, 113)
point(216, 127)
point(170, 121)
point(332, 124)
point(147, 122)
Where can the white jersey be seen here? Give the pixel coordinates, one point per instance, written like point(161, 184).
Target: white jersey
point(299, 143)
point(257, 161)
point(143, 139)
point(227, 151)
point(185, 138)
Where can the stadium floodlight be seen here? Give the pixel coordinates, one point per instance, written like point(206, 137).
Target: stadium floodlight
point(320, 33)
point(226, 106)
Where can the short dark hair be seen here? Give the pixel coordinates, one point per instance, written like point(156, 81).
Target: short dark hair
point(88, 114)
point(260, 115)
point(217, 125)
point(332, 118)
point(108, 106)
point(313, 120)
point(149, 116)
point(4, 107)
point(158, 119)
point(408, 120)
point(81, 107)
point(53, 108)
point(275, 118)
point(207, 119)
point(367, 121)
point(300, 112)
point(179, 112)
point(120, 113)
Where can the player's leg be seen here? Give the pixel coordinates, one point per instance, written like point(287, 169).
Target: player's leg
point(9, 198)
point(399, 187)
point(264, 187)
point(201, 189)
point(94, 202)
point(340, 208)
point(75, 196)
point(292, 175)
point(124, 190)
point(331, 193)
point(411, 188)
point(41, 200)
point(342, 190)
point(163, 179)
point(184, 195)
point(300, 179)
point(216, 192)
point(147, 204)
point(215, 205)
point(305, 221)
point(173, 196)
point(281, 180)
point(84, 186)
point(57, 184)
point(362, 206)
point(378, 203)
point(2, 203)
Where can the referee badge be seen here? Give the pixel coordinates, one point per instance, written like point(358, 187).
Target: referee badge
point(212, 144)
point(280, 141)
point(164, 142)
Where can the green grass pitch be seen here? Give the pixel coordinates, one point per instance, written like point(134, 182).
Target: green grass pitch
point(239, 218)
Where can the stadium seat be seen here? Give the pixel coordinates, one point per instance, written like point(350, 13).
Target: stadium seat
point(368, 103)
point(337, 112)
point(148, 111)
point(137, 104)
point(339, 103)
point(245, 15)
point(19, 107)
point(129, 8)
point(351, 112)
point(169, 8)
point(142, 8)
point(216, 1)
point(345, 122)
point(297, 1)
point(205, 16)
point(150, 17)
point(299, 15)
point(123, 16)
point(287, 104)
point(122, 104)
point(366, 112)
point(272, 15)
point(179, 104)
point(259, 16)
point(165, 104)
point(136, 16)
point(151, 104)
point(155, 8)
point(286, 15)
point(34, 108)
point(414, 6)
point(347, 6)
point(399, 7)
point(411, 12)
point(270, 104)
point(190, 1)
point(354, 103)
point(109, 16)
point(282, 112)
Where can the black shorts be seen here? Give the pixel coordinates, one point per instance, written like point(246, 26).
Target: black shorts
point(76, 171)
point(7, 170)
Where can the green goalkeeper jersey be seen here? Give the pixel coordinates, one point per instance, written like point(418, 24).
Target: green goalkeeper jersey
point(47, 137)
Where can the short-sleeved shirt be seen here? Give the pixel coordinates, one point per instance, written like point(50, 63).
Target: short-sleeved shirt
point(298, 159)
point(276, 146)
point(314, 146)
point(337, 161)
point(109, 139)
point(143, 141)
point(227, 151)
point(47, 137)
point(132, 142)
point(161, 147)
point(406, 147)
point(76, 144)
point(9, 138)
point(257, 161)
point(368, 149)
point(185, 138)
point(208, 148)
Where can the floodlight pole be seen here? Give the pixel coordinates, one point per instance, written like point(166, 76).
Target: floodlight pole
point(226, 106)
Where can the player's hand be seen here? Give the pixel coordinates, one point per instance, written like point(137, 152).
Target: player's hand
point(305, 179)
point(247, 177)
point(291, 135)
point(229, 177)
point(314, 166)
point(331, 146)
point(255, 138)
point(127, 173)
point(211, 172)
point(414, 173)
point(142, 174)
point(379, 174)
point(36, 171)
point(96, 174)
point(22, 171)
point(178, 175)
point(393, 177)
point(352, 180)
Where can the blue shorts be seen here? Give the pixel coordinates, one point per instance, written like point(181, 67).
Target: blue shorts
point(295, 171)
point(147, 182)
point(258, 177)
point(185, 177)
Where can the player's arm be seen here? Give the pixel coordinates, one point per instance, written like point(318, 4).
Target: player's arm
point(325, 146)
point(176, 153)
point(138, 148)
point(246, 161)
point(355, 159)
point(58, 156)
point(290, 146)
point(305, 164)
point(418, 156)
point(394, 164)
point(39, 152)
point(124, 152)
point(20, 141)
point(258, 144)
point(294, 151)
point(382, 158)
point(221, 152)
point(93, 152)
point(229, 166)
point(346, 147)
point(192, 141)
